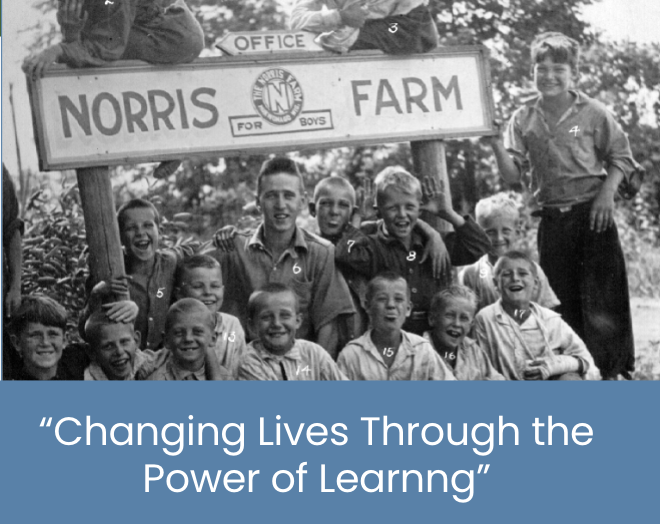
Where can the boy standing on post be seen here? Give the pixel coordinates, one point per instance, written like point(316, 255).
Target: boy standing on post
point(578, 155)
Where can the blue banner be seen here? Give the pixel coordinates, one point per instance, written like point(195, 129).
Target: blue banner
point(454, 456)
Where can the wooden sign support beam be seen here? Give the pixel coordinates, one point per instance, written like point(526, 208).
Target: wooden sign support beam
point(429, 160)
point(106, 258)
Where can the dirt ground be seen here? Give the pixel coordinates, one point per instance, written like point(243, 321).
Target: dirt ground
point(646, 328)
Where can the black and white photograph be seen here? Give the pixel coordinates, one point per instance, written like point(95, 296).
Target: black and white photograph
point(331, 190)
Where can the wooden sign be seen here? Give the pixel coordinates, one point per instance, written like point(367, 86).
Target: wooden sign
point(133, 112)
point(260, 42)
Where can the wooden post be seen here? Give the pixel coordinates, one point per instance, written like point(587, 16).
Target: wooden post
point(429, 160)
point(106, 259)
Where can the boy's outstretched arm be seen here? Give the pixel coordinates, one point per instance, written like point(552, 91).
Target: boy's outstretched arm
point(507, 167)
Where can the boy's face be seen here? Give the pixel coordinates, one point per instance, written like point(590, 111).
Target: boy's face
point(399, 211)
point(204, 284)
point(188, 336)
point(281, 201)
point(276, 322)
point(553, 78)
point(139, 234)
point(516, 283)
point(452, 323)
point(389, 306)
point(116, 344)
point(502, 232)
point(40, 346)
point(334, 207)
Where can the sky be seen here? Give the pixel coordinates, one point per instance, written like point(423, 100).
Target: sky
point(637, 20)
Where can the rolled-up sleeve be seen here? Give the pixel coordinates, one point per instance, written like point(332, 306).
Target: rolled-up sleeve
point(613, 146)
point(515, 144)
point(309, 16)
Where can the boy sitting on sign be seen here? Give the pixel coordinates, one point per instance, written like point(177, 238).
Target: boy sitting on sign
point(526, 341)
point(386, 352)
point(578, 157)
point(451, 317)
point(396, 27)
point(200, 277)
point(498, 216)
point(95, 32)
point(276, 353)
point(397, 245)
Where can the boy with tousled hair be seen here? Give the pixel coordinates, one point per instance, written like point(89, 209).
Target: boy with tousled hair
point(397, 246)
point(200, 277)
point(578, 157)
point(499, 217)
point(37, 331)
point(386, 351)
point(276, 353)
point(280, 251)
point(526, 341)
point(451, 317)
point(190, 344)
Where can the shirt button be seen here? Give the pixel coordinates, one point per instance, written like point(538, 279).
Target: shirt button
point(151, 319)
point(414, 290)
point(410, 271)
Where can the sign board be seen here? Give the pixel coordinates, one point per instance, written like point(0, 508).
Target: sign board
point(260, 42)
point(133, 112)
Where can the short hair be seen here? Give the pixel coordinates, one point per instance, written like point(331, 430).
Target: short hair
point(39, 309)
point(396, 176)
point(441, 298)
point(558, 47)
point(97, 319)
point(272, 288)
point(279, 164)
point(515, 255)
point(187, 306)
point(135, 203)
point(194, 262)
point(385, 276)
point(496, 205)
point(334, 181)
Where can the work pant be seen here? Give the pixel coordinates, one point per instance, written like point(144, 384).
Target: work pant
point(587, 271)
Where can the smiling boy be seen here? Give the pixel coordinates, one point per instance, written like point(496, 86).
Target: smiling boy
point(498, 216)
point(398, 247)
point(526, 341)
point(279, 251)
point(276, 353)
point(386, 351)
point(200, 277)
point(577, 155)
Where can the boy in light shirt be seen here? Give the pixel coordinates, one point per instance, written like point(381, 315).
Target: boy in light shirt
point(200, 277)
point(275, 353)
point(526, 341)
point(386, 351)
point(498, 216)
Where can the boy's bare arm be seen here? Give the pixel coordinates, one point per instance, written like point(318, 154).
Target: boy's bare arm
point(506, 165)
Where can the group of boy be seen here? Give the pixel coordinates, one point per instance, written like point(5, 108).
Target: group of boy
point(288, 288)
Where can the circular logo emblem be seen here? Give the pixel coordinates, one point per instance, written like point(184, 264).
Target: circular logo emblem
point(277, 96)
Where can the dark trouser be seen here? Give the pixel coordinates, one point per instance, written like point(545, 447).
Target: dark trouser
point(414, 32)
point(587, 271)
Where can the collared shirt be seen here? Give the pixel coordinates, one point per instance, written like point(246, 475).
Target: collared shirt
point(144, 364)
point(369, 255)
point(569, 160)
point(304, 361)
point(543, 334)
point(307, 266)
point(472, 363)
point(414, 360)
point(170, 370)
point(479, 278)
point(229, 342)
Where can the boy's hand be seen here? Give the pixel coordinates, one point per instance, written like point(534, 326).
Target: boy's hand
point(434, 194)
point(364, 210)
point(71, 13)
point(493, 140)
point(124, 311)
point(103, 290)
point(354, 15)
point(223, 238)
point(602, 210)
point(35, 65)
point(536, 370)
point(436, 249)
